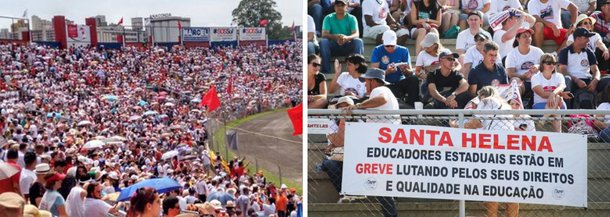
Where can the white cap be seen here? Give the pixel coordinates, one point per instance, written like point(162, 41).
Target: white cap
point(346, 99)
point(430, 39)
point(389, 37)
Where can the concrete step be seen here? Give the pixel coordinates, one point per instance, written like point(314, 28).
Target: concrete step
point(449, 208)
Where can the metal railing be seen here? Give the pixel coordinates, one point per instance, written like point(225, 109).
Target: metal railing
point(324, 171)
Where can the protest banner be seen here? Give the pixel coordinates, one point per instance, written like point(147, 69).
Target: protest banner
point(461, 164)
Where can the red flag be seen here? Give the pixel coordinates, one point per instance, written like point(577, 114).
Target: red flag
point(210, 100)
point(296, 117)
point(263, 22)
point(230, 86)
point(120, 21)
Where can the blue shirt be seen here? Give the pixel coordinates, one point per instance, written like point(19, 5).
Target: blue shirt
point(400, 55)
point(482, 77)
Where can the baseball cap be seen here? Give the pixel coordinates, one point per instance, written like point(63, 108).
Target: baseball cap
point(430, 39)
point(389, 37)
point(342, 1)
point(522, 30)
point(478, 13)
point(514, 13)
point(582, 32)
point(446, 53)
point(481, 35)
point(375, 73)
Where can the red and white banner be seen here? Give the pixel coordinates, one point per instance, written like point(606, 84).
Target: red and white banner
point(78, 35)
point(223, 34)
point(72, 31)
point(460, 164)
point(252, 34)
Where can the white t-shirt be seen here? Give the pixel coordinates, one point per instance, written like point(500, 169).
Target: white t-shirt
point(391, 104)
point(502, 5)
point(465, 39)
point(96, 208)
point(377, 11)
point(475, 57)
point(75, 204)
point(26, 180)
point(522, 63)
point(424, 59)
point(592, 40)
point(550, 11)
point(350, 83)
point(505, 47)
point(548, 85)
point(605, 106)
point(582, 5)
point(311, 25)
point(495, 122)
point(474, 4)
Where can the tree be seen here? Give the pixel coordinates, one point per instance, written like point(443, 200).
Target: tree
point(250, 13)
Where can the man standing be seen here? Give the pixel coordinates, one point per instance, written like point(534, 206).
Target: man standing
point(395, 61)
point(94, 205)
point(28, 176)
point(489, 72)
point(339, 35)
point(380, 98)
point(447, 86)
point(580, 64)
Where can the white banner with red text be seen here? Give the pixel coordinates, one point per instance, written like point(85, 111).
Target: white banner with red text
point(461, 164)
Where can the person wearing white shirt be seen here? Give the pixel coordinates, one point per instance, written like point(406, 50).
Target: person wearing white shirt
point(503, 5)
point(586, 7)
point(348, 83)
point(28, 176)
point(465, 38)
point(94, 205)
point(376, 19)
point(470, 6)
point(312, 43)
point(548, 24)
point(474, 55)
point(595, 42)
point(523, 61)
point(505, 37)
point(580, 64)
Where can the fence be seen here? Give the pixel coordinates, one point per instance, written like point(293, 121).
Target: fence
point(324, 174)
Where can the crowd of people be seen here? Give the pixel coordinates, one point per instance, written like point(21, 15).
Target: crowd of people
point(498, 62)
point(81, 125)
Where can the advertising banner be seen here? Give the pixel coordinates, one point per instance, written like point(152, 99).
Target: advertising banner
point(196, 34)
point(252, 34)
point(223, 34)
point(461, 164)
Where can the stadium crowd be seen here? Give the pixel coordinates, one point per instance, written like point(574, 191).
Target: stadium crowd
point(81, 125)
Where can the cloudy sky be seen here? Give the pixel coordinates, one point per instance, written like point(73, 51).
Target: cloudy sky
point(201, 12)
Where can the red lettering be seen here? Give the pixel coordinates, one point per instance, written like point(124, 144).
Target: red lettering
point(496, 141)
point(433, 134)
point(374, 168)
point(545, 144)
point(417, 137)
point(445, 139)
point(527, 143)
point(513, 142)
point(400, 137)
point(466, 140)
point(484, 140)
point(384, 135)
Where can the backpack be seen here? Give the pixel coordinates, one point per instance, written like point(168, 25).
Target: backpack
point(584, 99)
point(452, 32)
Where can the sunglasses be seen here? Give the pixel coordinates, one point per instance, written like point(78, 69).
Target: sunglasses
point(450, 59)
point(549, 62)
point(316, 64)
point(586, 23)
point(389, 46)
point(479, 39)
